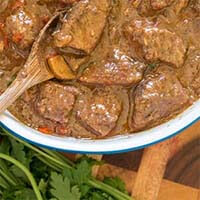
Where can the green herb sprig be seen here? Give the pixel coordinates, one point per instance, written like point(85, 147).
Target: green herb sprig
point(31, 173)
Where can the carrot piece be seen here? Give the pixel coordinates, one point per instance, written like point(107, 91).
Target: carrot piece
point(45, 130)
point(17, 37)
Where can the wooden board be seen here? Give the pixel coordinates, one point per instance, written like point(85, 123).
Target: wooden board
point(184, 165)
point(168, 191)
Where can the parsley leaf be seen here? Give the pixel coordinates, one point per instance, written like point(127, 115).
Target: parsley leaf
point(80, 174)
point(61, 188)
point(19, 153)
point(43, 186)
point(5, 146)
point(18, 193)
point(116, 183)
point(25, 194)
point(18, 173)
point(3, 183)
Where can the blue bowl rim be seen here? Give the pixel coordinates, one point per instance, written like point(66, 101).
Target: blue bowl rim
point(103, 152)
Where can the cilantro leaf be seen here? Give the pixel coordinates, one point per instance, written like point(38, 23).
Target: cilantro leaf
point(80, 174)
point(61, 188)
point(18, 173)
point(18, 193)
point(89, 160)
point(43, 186)
point(5, 146)
point(3, 183)
point(18, 152)
point(116, 183)
point(25, 194)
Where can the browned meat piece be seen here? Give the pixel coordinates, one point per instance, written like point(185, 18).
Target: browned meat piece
point(149, 7)
point(160, 4)
point(68, 1)
point(179, 5)
point(189, 30)
point(190, 73)
point(25, 23)
point(197, 6)
point(116, 69)
point(83, 27)
point(60, 1)
point(158, 97)
point(156, 43)
point(55, 101)
point(3, 5)
point(99, 111)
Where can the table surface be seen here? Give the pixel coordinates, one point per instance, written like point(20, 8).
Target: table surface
point(183, 168)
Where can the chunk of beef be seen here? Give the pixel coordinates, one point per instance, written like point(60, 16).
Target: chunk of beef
point(24, 24)
point(83, 26)
point(159, 96)
point(149, 7)
point(160, 4)
point(189, 30)
point(190, 73)
point(197, 6)
point(115, 69)
point(68, 1)
point(179, 5)
point(3, 5)
point(99, 111)
point(55, 101)
point(156, 43)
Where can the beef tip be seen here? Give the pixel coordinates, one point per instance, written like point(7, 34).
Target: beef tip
point(116, 69)
point(149, 7)
point(99, 111)
point(190, 73)
point(197, 6)
point(189, 29)
point(179, 5)
point(55, 101)
point(160, 4)
point(150, 39)
point(82, 28)
point(159, 96)
point(24, 24)
point(68, 1)
point(3, 5)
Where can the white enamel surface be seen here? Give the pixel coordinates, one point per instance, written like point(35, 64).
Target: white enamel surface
point(111, 145)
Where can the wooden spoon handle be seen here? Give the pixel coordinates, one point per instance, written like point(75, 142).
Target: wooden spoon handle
point(34, 76)
point(151, 171)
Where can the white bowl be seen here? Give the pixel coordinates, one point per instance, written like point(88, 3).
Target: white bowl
point(117, 144)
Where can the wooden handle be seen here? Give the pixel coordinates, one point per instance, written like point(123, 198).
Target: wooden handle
point(25, 79)
point(151, 171)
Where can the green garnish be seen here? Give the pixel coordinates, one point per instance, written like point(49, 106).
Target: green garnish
point(31, 173)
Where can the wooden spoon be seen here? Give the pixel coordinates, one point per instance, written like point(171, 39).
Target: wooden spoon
point(33, 72)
